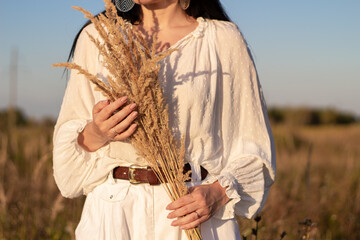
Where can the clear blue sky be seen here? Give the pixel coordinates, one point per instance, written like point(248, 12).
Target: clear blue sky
point(307, 52)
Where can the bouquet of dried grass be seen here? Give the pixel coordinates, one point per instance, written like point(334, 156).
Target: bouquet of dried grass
point(133, 72)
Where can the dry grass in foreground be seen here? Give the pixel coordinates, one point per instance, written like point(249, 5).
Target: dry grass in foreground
point(318, 178)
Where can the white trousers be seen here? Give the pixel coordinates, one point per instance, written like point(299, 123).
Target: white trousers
point(118, 210)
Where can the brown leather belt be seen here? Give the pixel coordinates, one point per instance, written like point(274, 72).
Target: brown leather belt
point(138, 174)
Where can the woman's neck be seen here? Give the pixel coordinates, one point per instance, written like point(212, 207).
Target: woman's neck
point(163, 15)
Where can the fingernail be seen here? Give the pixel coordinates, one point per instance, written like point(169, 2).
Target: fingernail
point(106, 101)
point(132, 106)
point(134, 114)
point(123, 99)
point(134, 125)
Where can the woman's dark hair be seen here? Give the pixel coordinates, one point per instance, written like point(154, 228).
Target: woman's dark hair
point(211, 9)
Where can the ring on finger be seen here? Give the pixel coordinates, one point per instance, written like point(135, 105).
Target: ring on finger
point(114, 131)
point(197, 214)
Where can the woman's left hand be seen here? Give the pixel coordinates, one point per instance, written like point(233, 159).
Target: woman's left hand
point(199, 205)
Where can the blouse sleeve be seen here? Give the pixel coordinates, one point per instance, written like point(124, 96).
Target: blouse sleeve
point(77, 171)
point(248, 161)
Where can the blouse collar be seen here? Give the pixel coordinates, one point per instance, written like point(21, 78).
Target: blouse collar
point(197, 33)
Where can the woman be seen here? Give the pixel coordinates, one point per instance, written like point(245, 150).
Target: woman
point(214, 99)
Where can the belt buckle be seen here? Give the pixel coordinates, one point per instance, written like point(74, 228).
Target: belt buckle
point(132, 174)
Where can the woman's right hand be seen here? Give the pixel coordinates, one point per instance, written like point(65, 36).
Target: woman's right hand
point(108, 125)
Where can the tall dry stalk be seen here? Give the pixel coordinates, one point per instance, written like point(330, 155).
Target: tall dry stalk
point(133, 72)
point(57, 207)
point(3, 157)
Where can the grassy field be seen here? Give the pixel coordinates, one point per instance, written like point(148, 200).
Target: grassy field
point(318, 177)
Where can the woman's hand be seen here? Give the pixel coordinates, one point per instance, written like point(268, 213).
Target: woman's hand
point(199, 205)
point(108, 125)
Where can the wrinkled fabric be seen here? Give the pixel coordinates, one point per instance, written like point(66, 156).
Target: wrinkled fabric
point(214, 100)
point(119, 210)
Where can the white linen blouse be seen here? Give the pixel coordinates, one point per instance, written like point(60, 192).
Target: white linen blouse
point(215, 101)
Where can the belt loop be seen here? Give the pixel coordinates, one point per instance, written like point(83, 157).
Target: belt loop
point(111, 178)
point(195, 172)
